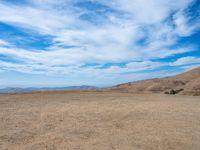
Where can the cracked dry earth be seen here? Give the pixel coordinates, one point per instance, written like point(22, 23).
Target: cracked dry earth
point(99, 121)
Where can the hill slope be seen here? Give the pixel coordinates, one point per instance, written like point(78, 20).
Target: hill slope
point(187, 83)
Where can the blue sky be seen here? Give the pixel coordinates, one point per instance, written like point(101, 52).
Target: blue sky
point(96, 42)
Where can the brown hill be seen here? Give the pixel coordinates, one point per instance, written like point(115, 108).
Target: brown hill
point(187, 83)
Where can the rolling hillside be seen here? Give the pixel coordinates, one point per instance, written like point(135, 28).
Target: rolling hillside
point(187, 83)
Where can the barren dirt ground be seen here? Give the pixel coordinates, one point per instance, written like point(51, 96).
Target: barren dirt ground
point(99, 121)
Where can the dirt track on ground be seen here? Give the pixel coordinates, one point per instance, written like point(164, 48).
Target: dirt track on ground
point(99, 121)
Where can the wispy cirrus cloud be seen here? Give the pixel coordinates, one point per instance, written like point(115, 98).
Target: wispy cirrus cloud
point(132, 36)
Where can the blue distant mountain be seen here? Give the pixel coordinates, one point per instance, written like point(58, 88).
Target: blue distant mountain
point(16, 90)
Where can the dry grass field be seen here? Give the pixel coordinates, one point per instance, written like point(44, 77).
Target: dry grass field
point(99, 121)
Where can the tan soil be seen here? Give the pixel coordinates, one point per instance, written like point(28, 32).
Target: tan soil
point(99, 121)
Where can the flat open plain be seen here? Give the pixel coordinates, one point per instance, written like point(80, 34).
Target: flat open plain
point(99, 121)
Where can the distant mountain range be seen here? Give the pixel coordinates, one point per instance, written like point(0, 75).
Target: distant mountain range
point(16, 90)
point(187, 83)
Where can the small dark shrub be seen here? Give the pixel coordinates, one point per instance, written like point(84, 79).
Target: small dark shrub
point(166, 92)
point(173, 92)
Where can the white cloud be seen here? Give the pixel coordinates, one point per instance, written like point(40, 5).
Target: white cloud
point(183, 28)
point(151, 12)
point(43, 20)
point(3, 43)
point(186, 61)
point(145, 65)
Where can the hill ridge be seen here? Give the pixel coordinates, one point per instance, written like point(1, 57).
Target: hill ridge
point(187, 83)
